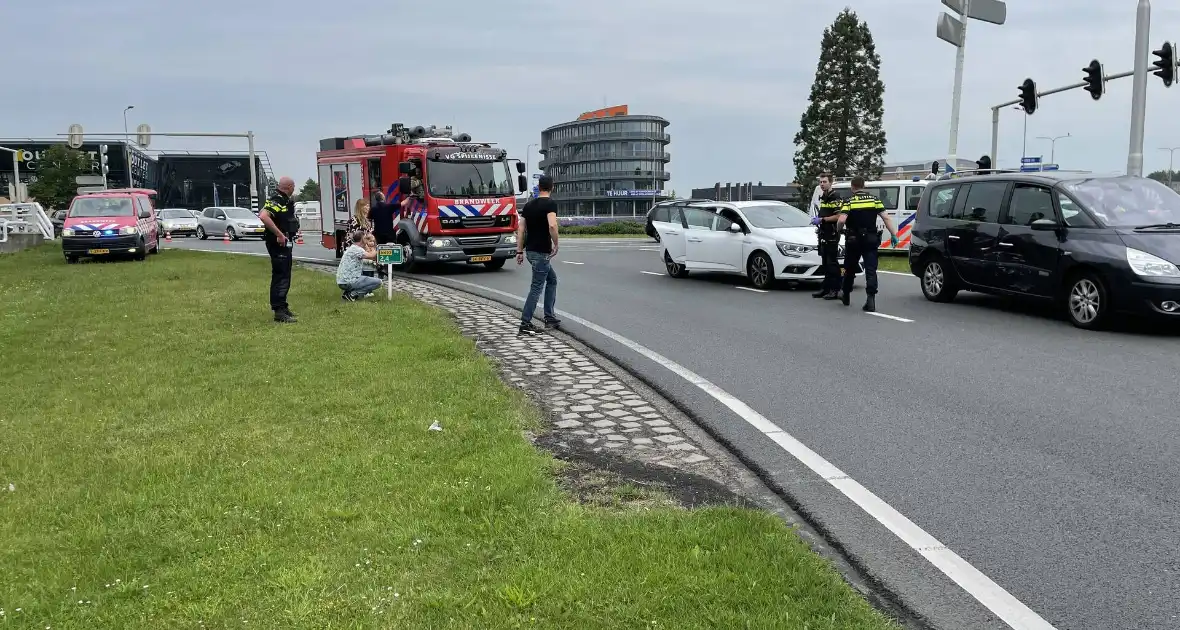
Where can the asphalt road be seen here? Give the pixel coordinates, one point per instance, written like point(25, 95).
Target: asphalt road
point(1043, 455)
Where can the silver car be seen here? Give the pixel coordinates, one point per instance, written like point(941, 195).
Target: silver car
point(233, 222)
point(177, 221)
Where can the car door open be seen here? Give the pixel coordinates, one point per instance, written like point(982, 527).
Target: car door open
point(698, 239)
point(671, 229)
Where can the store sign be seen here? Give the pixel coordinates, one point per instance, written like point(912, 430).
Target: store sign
point(632, 193)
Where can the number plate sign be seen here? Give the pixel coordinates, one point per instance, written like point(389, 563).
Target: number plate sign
point(389, 255)
point(480, 259)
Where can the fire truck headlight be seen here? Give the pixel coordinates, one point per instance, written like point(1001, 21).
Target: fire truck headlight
point(510, 239)
point(441, 242)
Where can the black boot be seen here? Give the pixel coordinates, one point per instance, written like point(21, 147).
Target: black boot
point(284, 317)
point(845, 298)
point(870, 304)
point(832, 295)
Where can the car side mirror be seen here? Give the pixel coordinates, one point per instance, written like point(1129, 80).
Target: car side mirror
point(520, 167)
point(1044, 225)
point(403, 168)
point(403, 183)
point(521, 182)
point(735, 228)
point(144, 214)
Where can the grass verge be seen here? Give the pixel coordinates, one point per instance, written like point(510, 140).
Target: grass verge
point(178, 460)
point(893, 262)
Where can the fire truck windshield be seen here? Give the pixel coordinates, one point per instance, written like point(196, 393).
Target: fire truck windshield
point(468, 179)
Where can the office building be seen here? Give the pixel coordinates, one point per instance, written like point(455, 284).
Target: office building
point(750, 191)
point(197, 180)
point(30, 151)
point(607, 163)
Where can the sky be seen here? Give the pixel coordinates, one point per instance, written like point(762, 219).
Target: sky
point(731, 77)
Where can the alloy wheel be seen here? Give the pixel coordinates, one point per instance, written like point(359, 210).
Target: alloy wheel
point(933, 279)
point(1085, 302)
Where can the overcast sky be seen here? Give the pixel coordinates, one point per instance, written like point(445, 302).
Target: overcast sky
point(732, 77)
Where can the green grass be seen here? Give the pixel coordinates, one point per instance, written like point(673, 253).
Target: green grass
point(179, 461)
point(606, 237)
point(610, 228)
point(899, 262)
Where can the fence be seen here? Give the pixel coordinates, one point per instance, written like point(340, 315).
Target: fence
point(25, 218)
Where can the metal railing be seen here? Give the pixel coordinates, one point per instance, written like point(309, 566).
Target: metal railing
point(25, 218)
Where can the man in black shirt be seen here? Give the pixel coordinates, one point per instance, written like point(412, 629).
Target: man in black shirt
point(278, 215)
point(862, 239)
point(829, 238)
point(536, 239)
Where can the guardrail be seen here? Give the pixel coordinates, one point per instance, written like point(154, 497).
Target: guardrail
point(25, 218)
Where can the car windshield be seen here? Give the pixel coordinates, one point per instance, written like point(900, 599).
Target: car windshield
point(175, 214)
point(101, 207)
point(1127, 201)
point(239, 213)
point(468, 179)
point(776, 216)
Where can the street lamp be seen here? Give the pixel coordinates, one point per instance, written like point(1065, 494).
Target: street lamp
point(1053, 146)
point(16, 196)
point(127, 145)
point(1171, 154)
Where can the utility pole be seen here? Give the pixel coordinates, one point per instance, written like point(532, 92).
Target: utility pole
point(1053, 146)
point(127, 146)
point(1139, 88)
point(1171, 154)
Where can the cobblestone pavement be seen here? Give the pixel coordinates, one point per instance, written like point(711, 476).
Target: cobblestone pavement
point(590, 409)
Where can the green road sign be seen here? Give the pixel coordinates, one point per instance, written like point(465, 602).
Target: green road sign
point(389, 255)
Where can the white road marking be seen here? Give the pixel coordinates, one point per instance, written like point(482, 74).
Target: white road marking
point(752, 289)
point(893, 317)
point(570, 262)
point(896, 273)
point(652, 273)
point(1011, 610)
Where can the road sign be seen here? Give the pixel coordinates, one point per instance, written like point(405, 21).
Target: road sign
point(949, 30)
point(75, 136)
point(389, 255)
point(1030, 168)
point(1049, 167)
point(88, 180)
point(143, 135)
point(992, 11)
point(1030, 160)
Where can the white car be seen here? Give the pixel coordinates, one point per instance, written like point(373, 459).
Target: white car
point(763, 240)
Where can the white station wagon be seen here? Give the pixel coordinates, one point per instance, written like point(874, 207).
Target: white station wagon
point(762, 240)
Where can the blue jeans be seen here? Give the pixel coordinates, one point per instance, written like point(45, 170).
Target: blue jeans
point(543, 277)
point(361, 287)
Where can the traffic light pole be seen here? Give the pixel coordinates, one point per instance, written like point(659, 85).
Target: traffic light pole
point(1139, 89)
point(1073, 86)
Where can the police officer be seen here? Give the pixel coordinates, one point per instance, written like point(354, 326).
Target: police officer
point(859, 216)
point(278, 215)
point(829, 238)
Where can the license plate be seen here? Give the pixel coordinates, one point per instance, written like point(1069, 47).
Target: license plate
point(475, 259)
point(98, 251)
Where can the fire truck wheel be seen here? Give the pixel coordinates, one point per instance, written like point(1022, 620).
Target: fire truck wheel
point(495, 264)
point(410, 262)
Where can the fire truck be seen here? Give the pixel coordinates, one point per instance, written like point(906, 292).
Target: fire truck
point(461, 199)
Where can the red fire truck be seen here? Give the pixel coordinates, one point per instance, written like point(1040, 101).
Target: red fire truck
point(464, 209)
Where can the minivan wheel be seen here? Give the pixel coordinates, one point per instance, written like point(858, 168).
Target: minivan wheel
point(760, 270)
point(675, 269)
point(938, 283)
point(1087, 302)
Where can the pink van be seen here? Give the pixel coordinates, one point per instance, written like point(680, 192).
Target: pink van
point(111, 223)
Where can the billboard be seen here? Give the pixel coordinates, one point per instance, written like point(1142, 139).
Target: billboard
point(30, 152)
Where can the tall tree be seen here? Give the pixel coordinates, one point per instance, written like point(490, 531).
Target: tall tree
point(841, 131)
point(1165, 176)
point(310, 191)
point(57, 171)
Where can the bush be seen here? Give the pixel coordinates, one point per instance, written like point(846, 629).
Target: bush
point(611, 227)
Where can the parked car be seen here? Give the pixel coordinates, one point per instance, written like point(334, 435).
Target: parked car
point(58, 219)
point(1094, 245)
point(111, 222)
point(235, 222)
point(177, 222)
point(762, 240)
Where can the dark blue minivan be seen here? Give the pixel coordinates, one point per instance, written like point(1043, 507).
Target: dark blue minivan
point(1095, 245)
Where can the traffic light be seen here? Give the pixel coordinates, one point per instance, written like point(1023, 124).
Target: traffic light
point(1028, 96)
point(1166, 64)
point(934, 168)
point(102, 159)
point(1095, 84)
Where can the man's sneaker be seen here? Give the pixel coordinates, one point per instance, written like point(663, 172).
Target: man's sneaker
point(552, 322)
point(347, 297)
point(528, 329)
point(284, 318)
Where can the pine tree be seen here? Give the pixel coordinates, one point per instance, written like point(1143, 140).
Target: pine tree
point(841, 131)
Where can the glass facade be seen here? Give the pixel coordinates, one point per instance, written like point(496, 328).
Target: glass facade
point(196, 182)
point(607, 167)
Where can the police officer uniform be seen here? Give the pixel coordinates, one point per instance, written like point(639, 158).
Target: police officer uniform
point(828, 234)
point(861, 240)
point(281, 209)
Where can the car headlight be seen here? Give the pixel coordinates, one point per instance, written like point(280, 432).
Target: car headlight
point(794, 249)
point(67, 231)
point(1145, 264)
point(441, 242)
point(128, 230)
point(510, 239)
